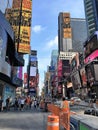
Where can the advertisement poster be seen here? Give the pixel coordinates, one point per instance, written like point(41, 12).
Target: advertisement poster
point(59, 68)
point(33, 82)
point(90, 75)
point(21, 23)
point(76, 80)
point(83, 77)
point(33, 71)
point(65, 67)
point(25, 80)
point(96, 71)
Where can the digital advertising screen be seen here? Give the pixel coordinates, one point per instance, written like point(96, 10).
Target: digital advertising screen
point(90, 45)
point(65, 67)
point(33, 71)
point(76, 80)
point(90, 74)
point(59, 68)
point(32, 82)
point(96, 71)
point(83, 77)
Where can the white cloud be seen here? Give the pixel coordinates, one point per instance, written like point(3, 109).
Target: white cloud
point(37, 28)
point(52, 43)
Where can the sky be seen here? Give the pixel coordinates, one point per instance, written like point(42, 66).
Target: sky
point(44, 29)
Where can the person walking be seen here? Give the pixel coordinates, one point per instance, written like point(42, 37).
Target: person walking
point(35, 103)
point(65, 104)
point(7, 104)
point(22, 103)
point(16, 105)
point(28, 101)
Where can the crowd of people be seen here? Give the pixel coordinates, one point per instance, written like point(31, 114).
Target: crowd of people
point(20, 103)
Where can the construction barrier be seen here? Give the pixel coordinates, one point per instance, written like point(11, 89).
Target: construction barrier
point(53, 122)
point(64, 116)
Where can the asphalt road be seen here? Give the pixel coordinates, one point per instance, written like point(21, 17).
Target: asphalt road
point(28, 119)
point(25, 120)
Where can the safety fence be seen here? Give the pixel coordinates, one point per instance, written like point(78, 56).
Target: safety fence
point(64, 116)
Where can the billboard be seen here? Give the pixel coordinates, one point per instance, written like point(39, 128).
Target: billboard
point(96, 71)
point(33, 58)
point(75, 62)
point(25, 80)
point(33, 61)
point(59, 68)
point(19, 72)
point(76, 80)
point(21, 23)
point(51, 68)
point(15, 76)
point(24, 45)
point(5, 68)
point(90, 74)
point(65, 67)
point(59, 88)
point(83, 77)
point(33, 52)
point(33, 71)
point(91, 57)
point(32, 82)
point(91, 45)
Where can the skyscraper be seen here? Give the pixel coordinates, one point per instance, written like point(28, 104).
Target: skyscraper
point(79, 33)
point(64, 32)
point(91, 14)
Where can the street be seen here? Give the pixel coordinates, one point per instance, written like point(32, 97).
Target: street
point(26, 120)
point(23, 120)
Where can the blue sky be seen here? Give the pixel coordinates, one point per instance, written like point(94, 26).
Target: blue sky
point(44, 31)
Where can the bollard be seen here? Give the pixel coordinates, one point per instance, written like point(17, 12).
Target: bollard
point(53, 122)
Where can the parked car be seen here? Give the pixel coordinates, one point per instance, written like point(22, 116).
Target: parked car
point(91, 111)
point(74, 100)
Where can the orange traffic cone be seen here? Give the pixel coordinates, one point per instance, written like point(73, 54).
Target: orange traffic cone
point(53, 122)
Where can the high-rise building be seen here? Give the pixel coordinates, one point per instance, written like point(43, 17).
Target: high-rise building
point(79, 33)
point(33, 74)
point(91, 14)
point(54, 56)
point(19, 17)
point(64, 32)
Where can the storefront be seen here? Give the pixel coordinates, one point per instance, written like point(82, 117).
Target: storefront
point(7, 90)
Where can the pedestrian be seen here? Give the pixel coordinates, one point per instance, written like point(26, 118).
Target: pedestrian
point(35, 103)
point(19, 103)
point(7, 104)
point(22, 103)
point(1, 102)
point(65, 104)
point(16, 105)
point(28, 101)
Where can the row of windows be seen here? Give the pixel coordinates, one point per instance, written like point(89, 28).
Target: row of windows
point(90, 17)
point(92, 26)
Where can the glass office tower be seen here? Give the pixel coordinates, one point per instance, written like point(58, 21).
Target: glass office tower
point(91, 14)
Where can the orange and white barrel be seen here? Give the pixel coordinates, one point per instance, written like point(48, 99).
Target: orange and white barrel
point(53, 122)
